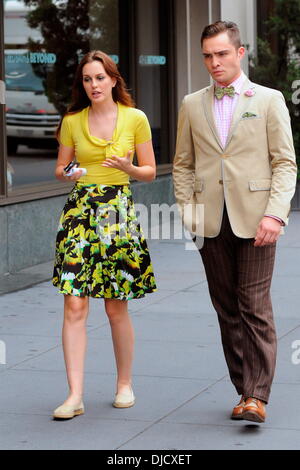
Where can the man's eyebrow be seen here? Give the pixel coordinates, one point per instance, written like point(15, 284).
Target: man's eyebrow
point(217, 52)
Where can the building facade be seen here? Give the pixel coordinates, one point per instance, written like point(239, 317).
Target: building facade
point(156, 44)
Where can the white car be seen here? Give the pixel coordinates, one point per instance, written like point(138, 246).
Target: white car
point(30, 118)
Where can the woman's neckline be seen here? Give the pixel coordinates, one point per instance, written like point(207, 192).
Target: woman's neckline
point(115, 128)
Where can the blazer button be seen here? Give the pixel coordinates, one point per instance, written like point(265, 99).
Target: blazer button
point(220, 181)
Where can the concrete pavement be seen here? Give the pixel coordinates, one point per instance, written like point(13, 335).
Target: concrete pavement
point(184, 395)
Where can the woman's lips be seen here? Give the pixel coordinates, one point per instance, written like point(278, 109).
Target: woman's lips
point(95, 94)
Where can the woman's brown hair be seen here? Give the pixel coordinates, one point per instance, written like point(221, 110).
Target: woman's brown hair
point(80, 99)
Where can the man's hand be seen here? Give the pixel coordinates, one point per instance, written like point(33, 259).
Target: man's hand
point(268, 232)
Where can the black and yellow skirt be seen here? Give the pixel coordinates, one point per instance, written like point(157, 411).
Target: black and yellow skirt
point(100, 248)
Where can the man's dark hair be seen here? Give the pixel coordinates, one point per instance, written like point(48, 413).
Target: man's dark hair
point(223, 27)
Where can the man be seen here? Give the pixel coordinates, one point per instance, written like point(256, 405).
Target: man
point(235, 156)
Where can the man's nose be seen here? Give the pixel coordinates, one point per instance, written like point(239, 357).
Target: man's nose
point(214, 61)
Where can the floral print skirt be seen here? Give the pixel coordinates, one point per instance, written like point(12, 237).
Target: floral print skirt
point(100, 247)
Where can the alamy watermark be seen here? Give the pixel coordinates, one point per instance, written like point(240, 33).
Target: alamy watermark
point(2, 92)
point(296, 354)
point(2, 352)
point(158, 222)
point(296, 94)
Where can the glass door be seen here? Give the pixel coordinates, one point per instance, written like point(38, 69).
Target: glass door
point(154, 84)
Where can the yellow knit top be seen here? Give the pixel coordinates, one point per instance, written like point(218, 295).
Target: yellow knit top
point(132, 128)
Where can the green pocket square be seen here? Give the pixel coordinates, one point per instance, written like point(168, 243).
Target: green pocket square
point(248, 115)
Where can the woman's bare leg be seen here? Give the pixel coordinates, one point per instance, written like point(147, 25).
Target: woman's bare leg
point(123, 341)
point(74, 344)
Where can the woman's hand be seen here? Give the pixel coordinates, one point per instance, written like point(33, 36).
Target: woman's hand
point(75, 176)
point(120, 163)
point(65, 156)
point(146, 169)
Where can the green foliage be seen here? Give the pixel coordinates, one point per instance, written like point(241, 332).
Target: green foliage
point(281, 70)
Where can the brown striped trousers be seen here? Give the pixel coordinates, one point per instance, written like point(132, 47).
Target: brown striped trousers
point(239, 279)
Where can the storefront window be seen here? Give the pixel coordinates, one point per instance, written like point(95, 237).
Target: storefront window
point(152, 71)
point(43, 43)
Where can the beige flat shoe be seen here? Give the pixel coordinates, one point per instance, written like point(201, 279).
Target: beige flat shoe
point(68, 411)
point(124, 400)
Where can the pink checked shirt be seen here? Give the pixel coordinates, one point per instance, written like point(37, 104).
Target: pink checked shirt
point(224, 109)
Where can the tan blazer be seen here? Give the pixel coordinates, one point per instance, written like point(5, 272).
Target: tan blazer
point(256, 171)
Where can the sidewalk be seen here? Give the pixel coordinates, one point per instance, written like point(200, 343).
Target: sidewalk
point(184, 396)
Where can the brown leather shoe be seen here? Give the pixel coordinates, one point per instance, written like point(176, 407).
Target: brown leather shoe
point(238, 409)
point(254, 410)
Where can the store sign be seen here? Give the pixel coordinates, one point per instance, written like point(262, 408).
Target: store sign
point(152, 60)
point(31, 58)
point(115, 58)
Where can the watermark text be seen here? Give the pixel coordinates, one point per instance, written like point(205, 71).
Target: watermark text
point(296, 354)
point(2, 352)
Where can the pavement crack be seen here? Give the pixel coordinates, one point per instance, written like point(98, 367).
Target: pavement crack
point(170, 412)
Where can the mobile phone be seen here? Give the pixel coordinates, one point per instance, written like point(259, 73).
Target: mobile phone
point(74, 169)
point(70, 166)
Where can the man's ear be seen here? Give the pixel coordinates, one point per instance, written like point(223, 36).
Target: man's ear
point(241, 52)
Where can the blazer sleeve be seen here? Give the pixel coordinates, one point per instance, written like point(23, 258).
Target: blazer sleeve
point(184, 159)
point(282, 157)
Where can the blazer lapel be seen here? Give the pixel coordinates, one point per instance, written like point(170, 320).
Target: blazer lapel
point(208, 105)
point(243, 102)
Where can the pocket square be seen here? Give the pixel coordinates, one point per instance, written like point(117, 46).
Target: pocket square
point(248, 115)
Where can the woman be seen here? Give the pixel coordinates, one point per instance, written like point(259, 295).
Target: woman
point(100, 249)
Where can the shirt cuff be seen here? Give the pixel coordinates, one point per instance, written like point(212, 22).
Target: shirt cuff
point(276, 218)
